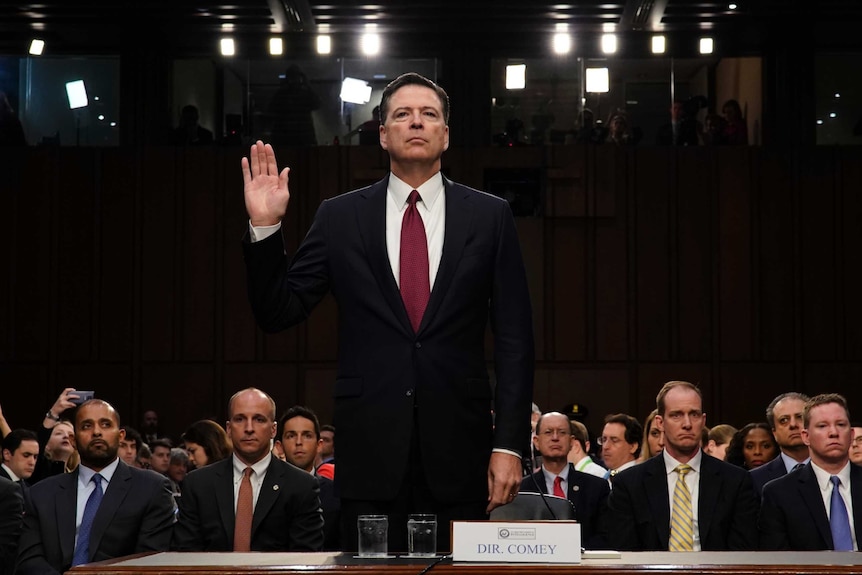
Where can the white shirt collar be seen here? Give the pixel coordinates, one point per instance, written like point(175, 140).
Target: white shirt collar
point(85, 474)
point(259, 467)
point(429, 191)
point(823, 476)
point(670, 464)
point(11, 473)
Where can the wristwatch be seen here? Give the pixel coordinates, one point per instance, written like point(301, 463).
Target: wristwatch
point(50, 415)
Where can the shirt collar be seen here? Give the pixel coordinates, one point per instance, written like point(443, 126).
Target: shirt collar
point(259, 467)
point(823, 476)
point(790, 463)
point(550, 476)
point(11, 473)
point(85, 474)
point(670, 464)
point(399, 190)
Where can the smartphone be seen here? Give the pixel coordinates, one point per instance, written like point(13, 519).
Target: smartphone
point(82, 396)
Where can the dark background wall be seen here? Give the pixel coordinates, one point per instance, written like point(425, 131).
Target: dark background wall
point(121, 271)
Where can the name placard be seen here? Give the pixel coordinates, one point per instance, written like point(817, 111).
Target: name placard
point(516, 541)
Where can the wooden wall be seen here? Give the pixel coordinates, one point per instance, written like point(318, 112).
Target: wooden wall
point(737, 268)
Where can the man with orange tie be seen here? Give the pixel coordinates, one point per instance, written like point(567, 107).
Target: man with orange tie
point(419, 267)
point(588, 493)
point(250, 501)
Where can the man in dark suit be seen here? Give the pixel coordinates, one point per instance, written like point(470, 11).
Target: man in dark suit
point(798, 512)
point(785, 417)
point(588, 494)
point(299, 440)
point(285, 507)
point(135, 514)
point(19, 457)
point(11, 515)
point(411, 341)
point(722, 506)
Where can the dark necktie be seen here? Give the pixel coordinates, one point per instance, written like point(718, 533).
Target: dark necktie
point(839, 522)
point(82, 549)
point(413, 263)
point(797, 467)
point(244, 513)
point(558, 487)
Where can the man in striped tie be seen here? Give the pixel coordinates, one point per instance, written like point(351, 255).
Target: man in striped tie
point(683, 500)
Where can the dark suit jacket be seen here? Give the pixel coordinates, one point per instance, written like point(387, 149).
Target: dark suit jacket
point(22, 488)
point(793, 516)
point(331, 506)
point(589, 495)
point(287, 514)
point(136, 515)
point(390, 377)
point(640, 507)
point(11, 516)
point(766, 473)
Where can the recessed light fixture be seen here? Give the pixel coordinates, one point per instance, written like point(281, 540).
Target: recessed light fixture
point(598, 80)
point(276, 46)
point(833, 115)
point(707, 45)
point(731, 6)
point(819, 122)
point(659, 44)
point(228, 48)
point(324, 44)
point(370, 44)
point(36, 47)
point(609, 43)
point(837, 95)
point(562, 43)
point(516, 76)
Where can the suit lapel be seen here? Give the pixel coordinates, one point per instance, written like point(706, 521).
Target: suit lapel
point(655, 486)
point(118, 488)
point(269, 492)
point(856, 495)
point(459, 212)
point(225, 498)
point(371, 219)
point(709, 488)
point(574, 490)
point(66, 507)
point(809, 492)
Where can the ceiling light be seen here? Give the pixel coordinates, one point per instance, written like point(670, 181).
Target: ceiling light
point(516, 76)
point(609, 43)
point(324, 44)
point(706, 45)
point(36, 47)
point(227, 47)
point(819, 122)
point(77, 94)
point(598, 80)
point(370, 44)
point(562, 43)
point(833, 115)
point(276, 46)
point(731, 6)
point(658, 44)
point(837, 95)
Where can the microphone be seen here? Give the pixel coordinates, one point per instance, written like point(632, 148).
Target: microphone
point(528, 466)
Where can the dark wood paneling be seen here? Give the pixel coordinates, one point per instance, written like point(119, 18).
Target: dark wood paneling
point(850, 246)
point(569, 293)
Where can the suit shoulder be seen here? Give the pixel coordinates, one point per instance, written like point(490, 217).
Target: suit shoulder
point(292, 471)
point(588, 479)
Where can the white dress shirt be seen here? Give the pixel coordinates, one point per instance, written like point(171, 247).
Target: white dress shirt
point(823, 480)
point(692, 481)
point(257, 476)
point(86, 487)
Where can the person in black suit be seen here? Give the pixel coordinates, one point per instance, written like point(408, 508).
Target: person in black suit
point(11, 515)
point(286, 514)
point(796, 509)
point(135, 515)
point(588, 494)
point(724, 506)
point(19, 457)
point(420, 373)
point(299, 441)
point(784, 414)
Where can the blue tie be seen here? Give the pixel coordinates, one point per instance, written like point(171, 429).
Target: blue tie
point(839, 522)
point(82, 549)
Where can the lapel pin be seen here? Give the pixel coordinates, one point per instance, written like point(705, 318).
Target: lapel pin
point(576, 487)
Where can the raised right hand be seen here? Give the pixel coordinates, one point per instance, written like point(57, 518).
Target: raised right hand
point(266, 193)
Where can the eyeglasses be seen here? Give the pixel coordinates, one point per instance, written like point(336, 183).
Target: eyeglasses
point(561, 433)
point(679, 416)
point(608, 440)
point(857, 440)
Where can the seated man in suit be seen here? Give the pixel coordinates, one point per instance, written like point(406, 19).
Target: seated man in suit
point(621, 443)
point(784, 415)
point(807, 510)
point(682, 499)
point(557, 476)
point(250, 501)
point(299, 440)
point(19, 457)
point(11, 515)
point(102, 510)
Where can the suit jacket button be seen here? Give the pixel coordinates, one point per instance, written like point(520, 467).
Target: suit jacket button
point(418, 345)
point(409, 393)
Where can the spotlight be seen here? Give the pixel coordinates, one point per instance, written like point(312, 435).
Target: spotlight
point(658, 44)
point(276, 46)
point(562, 43)
point(516, 76)
point(324, 44)
point(370, 44)
point(77, 94)
point(706, 45)
point(227, 47)
point(355, 91)
point(36, 47)
point(609, 43)
point(598, 80)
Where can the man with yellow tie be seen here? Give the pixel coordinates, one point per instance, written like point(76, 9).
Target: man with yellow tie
point(683, 499)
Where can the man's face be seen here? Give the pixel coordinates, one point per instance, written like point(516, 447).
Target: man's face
point(299, 443)
point(23, 461)
point(177, 471)
point(682, 422)
point(615, 451)
point(161, 459)
point(414, 129)
point(554, 438)
point(60, 443)
point(788, 414)
point(327, 444)
point(151, 421)
point(828, 435)
point(128, 451)
point(97, 434)
point(251, 426)
point(856, 446)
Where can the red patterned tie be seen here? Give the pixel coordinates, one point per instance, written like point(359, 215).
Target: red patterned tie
point(244, 514)
point(415, 285)
point(558, 487)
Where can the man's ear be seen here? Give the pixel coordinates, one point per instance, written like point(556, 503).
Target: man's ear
point(383, 137)
point(6, 455)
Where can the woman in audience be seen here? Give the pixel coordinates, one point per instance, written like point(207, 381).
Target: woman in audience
point(653, 441)
point(207, 442)
point(752, 446)
point(719, 439)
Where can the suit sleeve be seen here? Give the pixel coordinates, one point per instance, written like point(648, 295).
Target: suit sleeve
point(743, 526)
point(31, 551)
point(158, 519)
point(622, 533)
point(306, 528)
point(514, 354)
point(772, 522)
point(188, 532)
point(11, 517)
